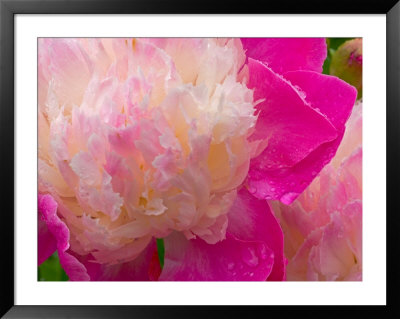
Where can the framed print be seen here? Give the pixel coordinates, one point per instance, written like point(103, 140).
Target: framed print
point(159, 156)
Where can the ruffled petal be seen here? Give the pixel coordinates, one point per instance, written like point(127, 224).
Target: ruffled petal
point(228, 260)
point(47, 244)
point(48, 210)
point(287, 54)
point(60, 232)
point(67, 67)
point(299, 268)
point(302, 119)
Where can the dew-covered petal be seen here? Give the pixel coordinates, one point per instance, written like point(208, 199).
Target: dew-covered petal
point(328, 95)
point(292, 130)
point(252, 219)
point(229, 260)
point(287, 54)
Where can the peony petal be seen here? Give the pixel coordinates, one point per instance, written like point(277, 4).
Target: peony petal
point(327, 94)
point(75, 270)
point(291, 126)
point(68, 66)
point(287, 54)
point(298, 266)
point(228, 260)
point(252, 219)
point(47, 244)
point(48, 209)
point(302, 126)
point(252, 250)
point(135, 270)
point(336, 256)
point(286, 184)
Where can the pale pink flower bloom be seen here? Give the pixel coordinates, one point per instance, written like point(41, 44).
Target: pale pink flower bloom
point(323, 227)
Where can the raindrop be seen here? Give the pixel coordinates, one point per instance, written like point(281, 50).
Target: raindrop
point(262, 251)
point(252, 190)
point(231, 266)
point(249, 257)
point(288, 197)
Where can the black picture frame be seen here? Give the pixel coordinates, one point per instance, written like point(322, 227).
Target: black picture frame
point(8, 10)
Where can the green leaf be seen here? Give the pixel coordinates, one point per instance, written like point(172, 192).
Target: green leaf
point(51, 270)
point(161, 251)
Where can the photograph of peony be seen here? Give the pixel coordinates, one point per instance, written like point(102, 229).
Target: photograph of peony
point(200, 159)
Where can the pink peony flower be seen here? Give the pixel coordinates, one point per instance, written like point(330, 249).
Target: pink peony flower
point(323, 227)
point(167, 138)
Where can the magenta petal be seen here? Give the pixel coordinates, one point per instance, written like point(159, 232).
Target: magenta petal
point(135, 270)
point(303, 121)
point(228, 260)
point(287, 54)
point(75, 270)
point(288, 183)
point(327, 94)
point(47, 244)
point(48, 210)
point(291, 126)
point(252, 250)
point(252, 219)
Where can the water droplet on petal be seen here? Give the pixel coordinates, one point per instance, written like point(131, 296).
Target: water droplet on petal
point(231, 266)
point(249, 257)
point(262, 251)
point(252, 190)
point(288, 198)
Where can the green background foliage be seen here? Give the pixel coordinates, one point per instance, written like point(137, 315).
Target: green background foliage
point(333, 44)
point(51, 270)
